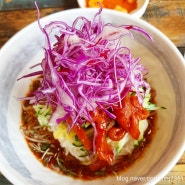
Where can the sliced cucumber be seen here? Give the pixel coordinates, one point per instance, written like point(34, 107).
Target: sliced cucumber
point(143, 125)
point(122, 142)
point(77, 144)
point(127, 140)
point(43, 114)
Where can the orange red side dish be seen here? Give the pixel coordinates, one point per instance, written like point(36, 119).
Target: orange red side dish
point(121, 5)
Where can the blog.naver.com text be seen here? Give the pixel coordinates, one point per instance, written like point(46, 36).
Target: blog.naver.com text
point(170, 179)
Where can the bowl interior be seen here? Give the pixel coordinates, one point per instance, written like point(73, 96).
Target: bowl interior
point(167, 72)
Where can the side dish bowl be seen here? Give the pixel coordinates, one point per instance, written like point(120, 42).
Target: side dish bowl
point(138, 12)
point(167, 72)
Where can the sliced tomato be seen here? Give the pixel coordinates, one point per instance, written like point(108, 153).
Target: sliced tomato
point(80, 132)
point(134, 127)
point(100, 118)
point(123, 113)
point(116, 133)
point(98, 165)
point(129, 114)
point(103, 149)
point(137, 108)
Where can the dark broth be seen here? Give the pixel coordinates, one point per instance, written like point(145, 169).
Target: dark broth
point(52, 155)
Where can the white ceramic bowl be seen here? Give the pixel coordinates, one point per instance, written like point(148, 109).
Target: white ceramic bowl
point(167, 74)
point(138, 12)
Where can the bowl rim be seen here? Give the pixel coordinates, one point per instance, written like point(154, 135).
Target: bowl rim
point(107, 12)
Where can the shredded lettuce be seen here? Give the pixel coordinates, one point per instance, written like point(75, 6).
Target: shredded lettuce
point(43, 114)
point(147, 104)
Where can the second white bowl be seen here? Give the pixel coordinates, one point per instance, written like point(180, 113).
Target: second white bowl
point(138, 12)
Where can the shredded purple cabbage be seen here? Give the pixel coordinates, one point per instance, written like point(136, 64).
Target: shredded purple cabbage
point(88, 66)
